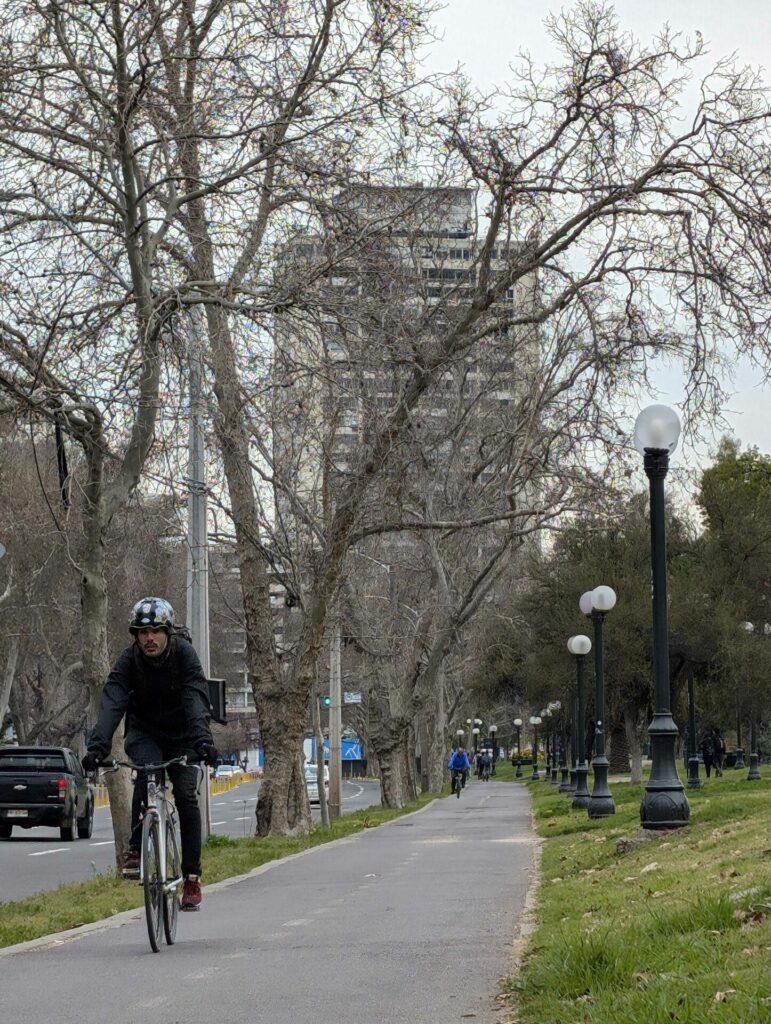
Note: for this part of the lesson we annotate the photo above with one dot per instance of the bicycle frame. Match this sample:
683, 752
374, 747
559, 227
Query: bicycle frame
158, 804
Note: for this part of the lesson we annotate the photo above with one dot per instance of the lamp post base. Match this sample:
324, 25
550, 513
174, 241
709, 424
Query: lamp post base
518, 772
739, 759
565, 780
664, 804
694, 782
582, 795
554, 780
536, 775
601, 804
754, 772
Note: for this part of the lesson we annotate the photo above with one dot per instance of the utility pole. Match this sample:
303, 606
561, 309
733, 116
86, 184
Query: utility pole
319, 737
197, 538
335, 724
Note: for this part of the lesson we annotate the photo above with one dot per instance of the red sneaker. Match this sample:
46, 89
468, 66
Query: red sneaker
131, 864
191, 894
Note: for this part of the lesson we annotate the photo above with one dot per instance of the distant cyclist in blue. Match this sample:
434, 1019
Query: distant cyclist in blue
459, 762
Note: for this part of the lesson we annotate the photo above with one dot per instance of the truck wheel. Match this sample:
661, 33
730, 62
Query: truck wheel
5, 831
86, 825
69, 832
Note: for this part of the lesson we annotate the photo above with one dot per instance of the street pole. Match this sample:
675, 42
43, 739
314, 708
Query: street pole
601, 804
319, 738
694, 782
754, 773
335, 724
664, 803
573, 751
535, 721
197, 534
564, 771
580, 646
518, 726
739, 749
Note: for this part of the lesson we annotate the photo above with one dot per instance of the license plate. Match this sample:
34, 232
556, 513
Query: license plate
16, 814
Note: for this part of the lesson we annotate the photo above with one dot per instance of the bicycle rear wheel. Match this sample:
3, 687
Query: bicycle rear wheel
458, 785
152, 879
173, 882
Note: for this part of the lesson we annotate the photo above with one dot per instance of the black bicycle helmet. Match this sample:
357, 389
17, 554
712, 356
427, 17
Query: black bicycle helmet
151, 613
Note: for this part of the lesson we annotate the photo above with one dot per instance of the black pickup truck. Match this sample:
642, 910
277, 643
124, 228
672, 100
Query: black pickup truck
45, 786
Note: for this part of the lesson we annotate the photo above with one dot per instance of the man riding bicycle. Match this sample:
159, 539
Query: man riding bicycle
459, 765
159, 685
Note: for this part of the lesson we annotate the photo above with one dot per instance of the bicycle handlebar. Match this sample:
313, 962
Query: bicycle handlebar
114, 765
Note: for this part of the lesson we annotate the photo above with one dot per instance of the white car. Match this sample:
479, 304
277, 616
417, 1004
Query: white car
227, 771
311, 782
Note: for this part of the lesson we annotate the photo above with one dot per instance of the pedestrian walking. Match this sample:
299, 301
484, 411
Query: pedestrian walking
718, 754
708, 752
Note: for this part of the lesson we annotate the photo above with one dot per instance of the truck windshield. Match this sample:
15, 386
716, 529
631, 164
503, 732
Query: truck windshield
32, 762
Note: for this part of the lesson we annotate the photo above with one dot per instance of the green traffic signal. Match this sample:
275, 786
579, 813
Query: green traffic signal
327, 701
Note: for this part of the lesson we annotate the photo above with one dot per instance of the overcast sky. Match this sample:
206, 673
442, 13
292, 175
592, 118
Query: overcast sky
486, 35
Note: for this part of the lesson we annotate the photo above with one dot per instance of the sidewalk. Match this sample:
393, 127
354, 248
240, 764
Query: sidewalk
410, 922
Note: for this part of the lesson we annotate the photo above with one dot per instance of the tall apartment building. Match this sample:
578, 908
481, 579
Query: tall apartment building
410, 276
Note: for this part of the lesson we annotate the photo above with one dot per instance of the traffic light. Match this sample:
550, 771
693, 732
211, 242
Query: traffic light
327, 700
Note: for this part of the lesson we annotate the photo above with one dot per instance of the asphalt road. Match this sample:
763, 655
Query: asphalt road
409, 922
34, 860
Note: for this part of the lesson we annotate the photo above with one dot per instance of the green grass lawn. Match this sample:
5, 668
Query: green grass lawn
677, 929
105, 895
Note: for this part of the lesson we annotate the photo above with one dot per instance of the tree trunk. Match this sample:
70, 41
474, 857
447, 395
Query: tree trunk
396, 786
618, 754
422, 730
9, 672
95, 653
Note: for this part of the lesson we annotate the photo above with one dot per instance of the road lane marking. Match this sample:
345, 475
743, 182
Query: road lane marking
354, 795
219, 803
105, 842
218, 823
42, 853
298, 923
244, 817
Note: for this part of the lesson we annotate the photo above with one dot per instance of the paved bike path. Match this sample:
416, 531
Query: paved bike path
410, 922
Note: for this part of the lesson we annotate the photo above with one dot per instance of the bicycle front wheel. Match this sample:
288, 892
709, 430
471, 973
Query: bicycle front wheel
152, 878
173, 882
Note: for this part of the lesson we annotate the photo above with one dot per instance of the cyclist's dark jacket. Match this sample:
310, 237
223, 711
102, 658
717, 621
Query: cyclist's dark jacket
166, 698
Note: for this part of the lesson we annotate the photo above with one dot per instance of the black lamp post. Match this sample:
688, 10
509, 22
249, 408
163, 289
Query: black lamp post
564, 770
545, 715
664, 804
552, 710
694, 782
493, 730
518, 727
579, 646
554, 756
535, 721
573, 751
754, 773
739, 763
595, 604
475, 733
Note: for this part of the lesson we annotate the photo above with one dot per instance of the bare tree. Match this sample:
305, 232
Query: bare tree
236, 132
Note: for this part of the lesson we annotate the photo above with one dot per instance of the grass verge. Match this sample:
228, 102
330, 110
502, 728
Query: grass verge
669, 927
104, 895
